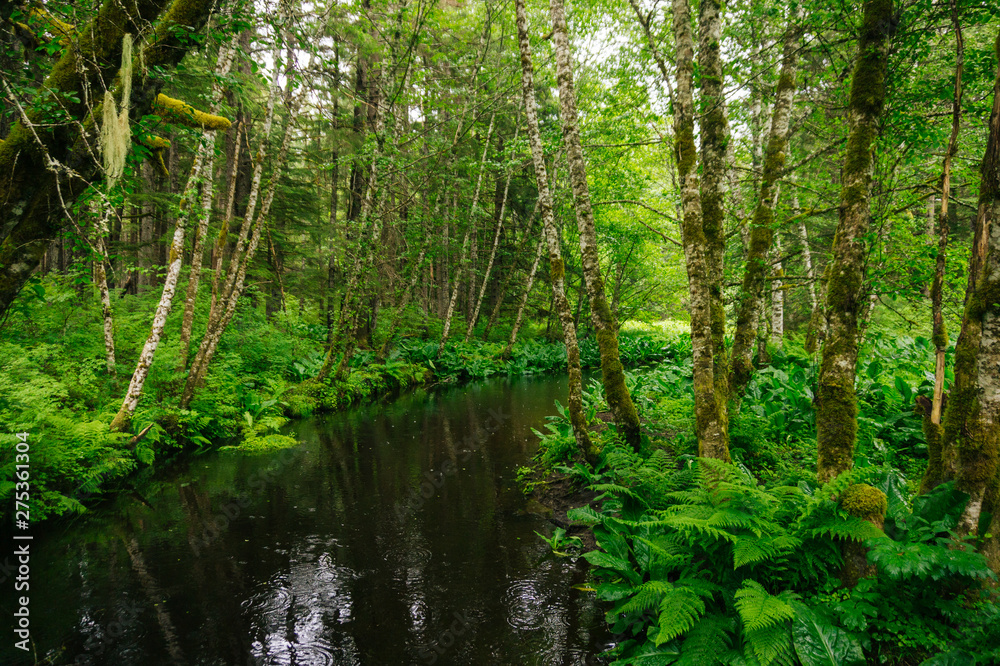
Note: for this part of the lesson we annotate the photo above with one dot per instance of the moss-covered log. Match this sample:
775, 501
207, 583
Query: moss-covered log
836, 403
30, 201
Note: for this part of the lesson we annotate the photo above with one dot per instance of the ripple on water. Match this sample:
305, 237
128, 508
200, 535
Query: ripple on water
529, 607
316, 653
274, 599
417, 556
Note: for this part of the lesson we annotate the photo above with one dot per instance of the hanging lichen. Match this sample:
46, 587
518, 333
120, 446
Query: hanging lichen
115, 134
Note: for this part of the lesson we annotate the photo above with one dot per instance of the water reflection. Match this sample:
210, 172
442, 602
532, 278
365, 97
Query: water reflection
391, 536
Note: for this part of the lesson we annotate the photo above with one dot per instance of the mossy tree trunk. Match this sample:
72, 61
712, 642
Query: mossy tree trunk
36, 157
933, 429
763, 224
972, 416
710, 412
836, 403
605, 326
714, 167
550, 234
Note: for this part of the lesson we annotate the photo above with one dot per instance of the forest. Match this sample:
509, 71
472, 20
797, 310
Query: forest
732, 267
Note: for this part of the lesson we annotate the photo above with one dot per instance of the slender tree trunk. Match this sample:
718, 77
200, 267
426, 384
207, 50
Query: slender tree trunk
101, 264
557, 266
123, 419
710, 412
762, 232
502, 291
933, 430
806, 255
605, 327
836, 403
493, 252
940, 335
418, 266
524, 301
225, 60
224, 306
465, 242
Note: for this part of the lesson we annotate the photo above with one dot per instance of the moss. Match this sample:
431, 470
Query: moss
63, 32
865, 502
174, 110
933, 435
154, 142
836, 428
558, 270
940, 337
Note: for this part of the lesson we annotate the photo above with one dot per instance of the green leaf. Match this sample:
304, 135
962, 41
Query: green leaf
821, 643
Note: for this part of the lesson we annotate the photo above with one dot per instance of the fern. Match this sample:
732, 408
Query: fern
766, 621
758, 609
680, 608
705, 641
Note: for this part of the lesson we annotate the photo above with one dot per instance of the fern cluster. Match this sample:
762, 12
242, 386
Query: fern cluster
701, 565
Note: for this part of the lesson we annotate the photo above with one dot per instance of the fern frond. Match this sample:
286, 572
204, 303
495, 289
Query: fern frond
703, 643
760, 610
647, 597
699, 525
710, 472
680, 609
772, 644
848, 528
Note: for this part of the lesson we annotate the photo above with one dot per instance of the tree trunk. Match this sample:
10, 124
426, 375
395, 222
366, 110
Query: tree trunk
933, 430
836, 403
711, 424
551, 236
762, 232
224, 306
465, 242
101, 264
493, 252
939, 335
972, 415
34, 178
777, 298
714, 140
605, 327
502, 291
524, 301
123, 419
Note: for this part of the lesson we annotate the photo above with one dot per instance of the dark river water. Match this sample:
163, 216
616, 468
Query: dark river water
394, 534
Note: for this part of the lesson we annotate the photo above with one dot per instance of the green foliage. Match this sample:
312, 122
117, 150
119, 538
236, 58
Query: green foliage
759, 566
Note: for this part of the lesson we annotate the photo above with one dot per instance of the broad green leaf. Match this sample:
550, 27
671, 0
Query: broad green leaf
820, 643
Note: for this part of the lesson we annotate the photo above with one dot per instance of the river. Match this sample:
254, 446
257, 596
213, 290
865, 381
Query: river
394, 534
